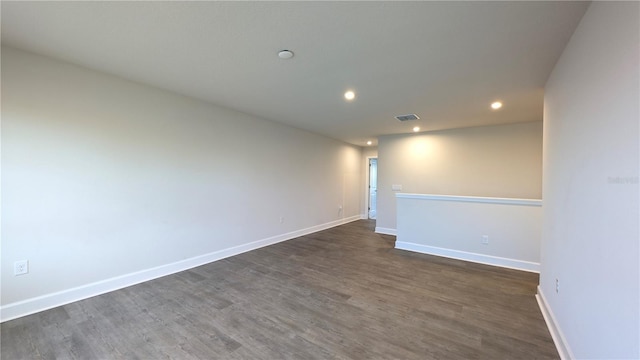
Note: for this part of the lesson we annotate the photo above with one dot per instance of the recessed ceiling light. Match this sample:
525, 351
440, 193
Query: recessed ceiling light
496, 105
349, 95
369, 142
285, 54
416, 129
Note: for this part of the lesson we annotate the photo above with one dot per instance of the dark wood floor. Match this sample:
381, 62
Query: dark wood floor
343, 293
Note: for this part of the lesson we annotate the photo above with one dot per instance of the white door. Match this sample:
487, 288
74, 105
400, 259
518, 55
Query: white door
373, 187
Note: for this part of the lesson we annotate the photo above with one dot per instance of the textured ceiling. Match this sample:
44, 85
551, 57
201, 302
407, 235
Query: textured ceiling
445, 61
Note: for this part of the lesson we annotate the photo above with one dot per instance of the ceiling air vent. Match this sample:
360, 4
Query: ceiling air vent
407, 117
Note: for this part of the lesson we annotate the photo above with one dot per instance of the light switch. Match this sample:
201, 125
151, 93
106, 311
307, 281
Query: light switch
396, 187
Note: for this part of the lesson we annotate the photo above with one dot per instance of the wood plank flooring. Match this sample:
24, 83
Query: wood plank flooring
343, 293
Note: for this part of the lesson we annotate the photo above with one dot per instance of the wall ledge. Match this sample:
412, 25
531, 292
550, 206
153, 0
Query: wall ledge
48, 301
474, 199
469, 256
558, 338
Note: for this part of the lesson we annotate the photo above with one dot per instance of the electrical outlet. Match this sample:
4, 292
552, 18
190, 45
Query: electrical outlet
281, 219
339, 209
557, 286
20, 267
485, 239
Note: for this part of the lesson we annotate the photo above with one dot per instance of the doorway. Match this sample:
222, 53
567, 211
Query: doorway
373, 187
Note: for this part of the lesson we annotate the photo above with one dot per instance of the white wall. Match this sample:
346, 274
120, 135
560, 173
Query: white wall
591, 166
454, 226
369, 152
102, 178
490, 161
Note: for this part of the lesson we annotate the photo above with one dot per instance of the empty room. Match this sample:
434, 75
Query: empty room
320, 180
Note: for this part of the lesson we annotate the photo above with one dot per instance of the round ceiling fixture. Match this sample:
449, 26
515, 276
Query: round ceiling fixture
369, 142
349, 95
285, 54
416, 129
496, 105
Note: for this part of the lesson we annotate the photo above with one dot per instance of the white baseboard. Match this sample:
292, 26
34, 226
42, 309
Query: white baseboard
468, 256
49, 301
386, 231
558, 338
364, 217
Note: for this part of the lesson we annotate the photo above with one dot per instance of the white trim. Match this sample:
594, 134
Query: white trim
472, 257
386, 231
558, 338
475, 199
364, 217
49, 301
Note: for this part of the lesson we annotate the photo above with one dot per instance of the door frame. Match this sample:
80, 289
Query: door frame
366, 188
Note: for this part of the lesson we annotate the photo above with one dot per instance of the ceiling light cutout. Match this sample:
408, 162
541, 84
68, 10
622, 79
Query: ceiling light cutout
496, 105
369, 142
349, 95
285, 54
416, 128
